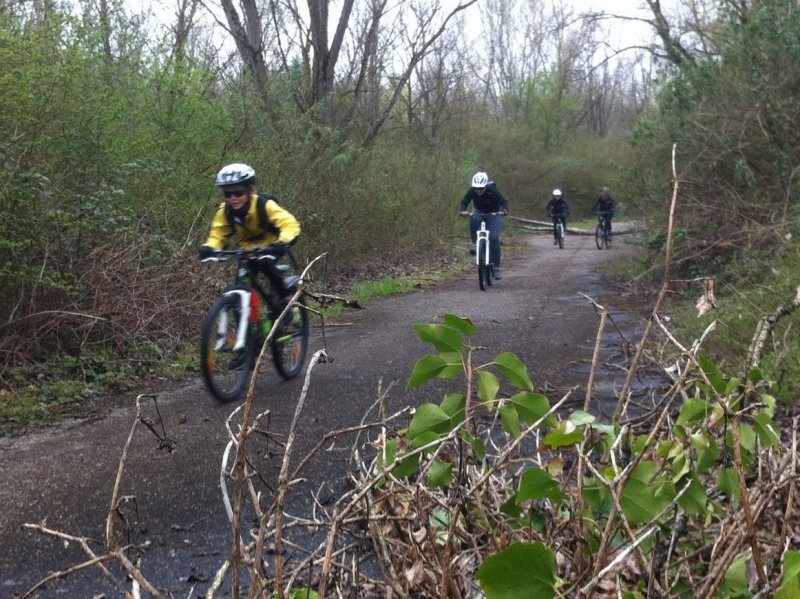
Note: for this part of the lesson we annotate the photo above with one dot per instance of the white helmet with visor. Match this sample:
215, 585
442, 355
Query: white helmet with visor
236, 174
480, 180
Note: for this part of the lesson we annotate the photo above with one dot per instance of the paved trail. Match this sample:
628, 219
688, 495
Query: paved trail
65, 475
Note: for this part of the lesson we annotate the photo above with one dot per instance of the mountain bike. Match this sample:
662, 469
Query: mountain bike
560, 233
483, 257
242, 319
602, 233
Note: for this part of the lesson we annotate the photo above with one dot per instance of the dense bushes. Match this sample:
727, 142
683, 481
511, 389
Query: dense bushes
734, 117
107, 170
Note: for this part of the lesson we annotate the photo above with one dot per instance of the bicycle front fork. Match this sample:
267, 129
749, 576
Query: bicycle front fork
245, 299
483, 236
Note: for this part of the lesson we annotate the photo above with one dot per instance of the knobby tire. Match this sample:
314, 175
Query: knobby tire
290, 345
598, 236
560, 236
225, 380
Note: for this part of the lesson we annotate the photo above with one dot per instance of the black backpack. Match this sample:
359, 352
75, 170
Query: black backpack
261, 207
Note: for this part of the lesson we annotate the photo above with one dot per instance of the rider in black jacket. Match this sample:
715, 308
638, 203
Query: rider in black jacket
558, 210
486, 198
605, 205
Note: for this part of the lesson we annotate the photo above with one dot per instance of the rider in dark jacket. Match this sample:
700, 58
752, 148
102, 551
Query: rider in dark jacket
486, 198
605, 205
558, 210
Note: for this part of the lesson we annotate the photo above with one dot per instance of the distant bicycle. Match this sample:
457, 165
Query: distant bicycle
560, 233
602, 233
240, 321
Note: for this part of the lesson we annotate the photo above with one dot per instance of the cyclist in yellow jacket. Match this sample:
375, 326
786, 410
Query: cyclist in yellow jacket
251, 219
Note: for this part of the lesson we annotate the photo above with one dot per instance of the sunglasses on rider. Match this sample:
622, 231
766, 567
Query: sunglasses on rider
234, 193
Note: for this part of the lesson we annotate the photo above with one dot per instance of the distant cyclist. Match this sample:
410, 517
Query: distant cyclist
486, 199
558, 210
604, 206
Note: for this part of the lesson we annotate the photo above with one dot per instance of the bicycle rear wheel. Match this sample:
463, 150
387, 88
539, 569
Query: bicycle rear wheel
290, 345
598, 236
561, 236
226, 371
483, 270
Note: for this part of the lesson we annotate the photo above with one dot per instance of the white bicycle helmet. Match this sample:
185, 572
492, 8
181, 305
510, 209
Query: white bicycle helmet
235, 174
480, 180
556, 193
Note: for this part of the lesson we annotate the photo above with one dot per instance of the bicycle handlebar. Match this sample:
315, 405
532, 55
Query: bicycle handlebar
484, 213
266, 252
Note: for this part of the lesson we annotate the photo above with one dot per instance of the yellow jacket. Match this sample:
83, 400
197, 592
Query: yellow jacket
281, 226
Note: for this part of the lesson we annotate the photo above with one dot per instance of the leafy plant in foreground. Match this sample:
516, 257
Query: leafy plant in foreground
538, 505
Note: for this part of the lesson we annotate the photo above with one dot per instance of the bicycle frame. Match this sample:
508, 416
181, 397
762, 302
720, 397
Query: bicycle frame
244, 286
602, 219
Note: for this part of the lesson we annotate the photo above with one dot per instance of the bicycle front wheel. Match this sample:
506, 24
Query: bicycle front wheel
598, 237
483, 268
226, 371
290, 346
561, 236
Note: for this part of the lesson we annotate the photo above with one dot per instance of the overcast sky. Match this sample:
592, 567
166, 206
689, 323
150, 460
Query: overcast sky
620, 33
631, 8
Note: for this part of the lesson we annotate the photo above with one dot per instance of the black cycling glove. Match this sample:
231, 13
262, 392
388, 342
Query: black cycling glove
206, 251
278, 249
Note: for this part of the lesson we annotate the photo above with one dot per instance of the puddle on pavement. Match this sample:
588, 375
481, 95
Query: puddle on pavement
623, 331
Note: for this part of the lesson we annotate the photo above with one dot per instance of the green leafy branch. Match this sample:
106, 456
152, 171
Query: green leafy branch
633, 507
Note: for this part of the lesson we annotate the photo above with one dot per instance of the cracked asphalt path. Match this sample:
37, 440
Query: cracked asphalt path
64, 475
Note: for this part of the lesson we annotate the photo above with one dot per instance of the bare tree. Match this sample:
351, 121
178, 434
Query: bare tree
185, 16
420, 41
365, 55
441, 82
674, 50
248, 35
325, 55
515, 35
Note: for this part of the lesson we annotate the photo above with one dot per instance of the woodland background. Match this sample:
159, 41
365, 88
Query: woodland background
367, 118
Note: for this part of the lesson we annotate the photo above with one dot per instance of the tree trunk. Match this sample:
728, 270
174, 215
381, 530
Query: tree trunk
325, 58
184, 22
676, 53
249, 42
